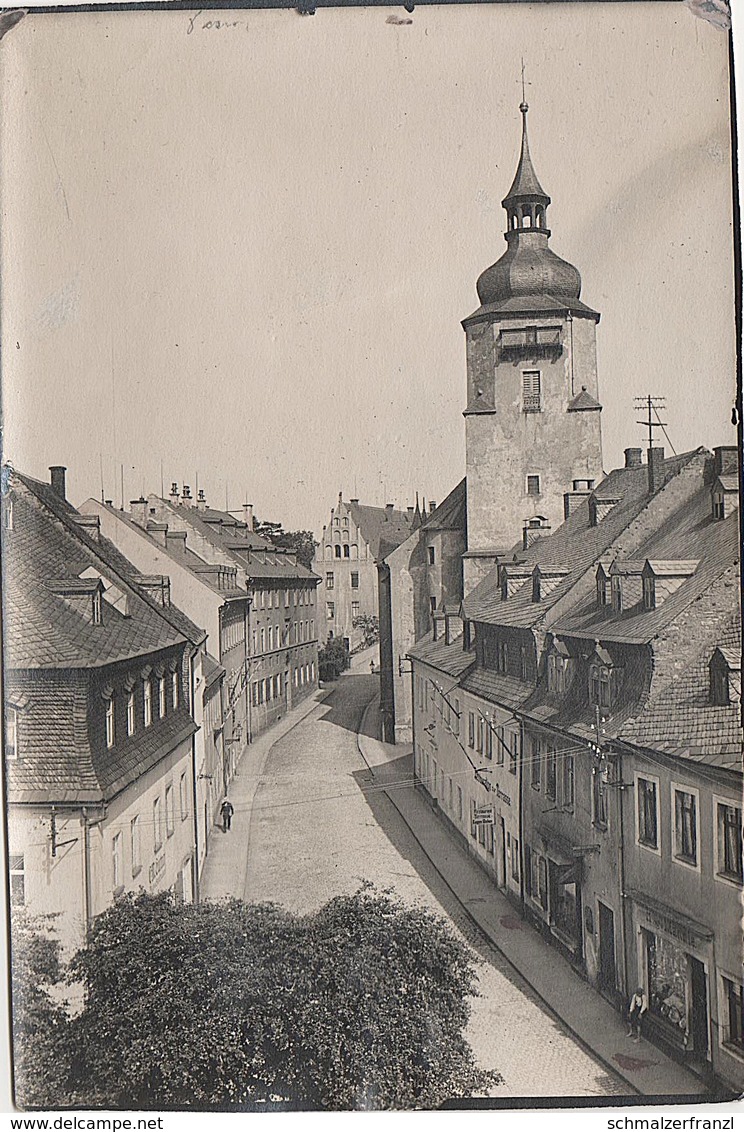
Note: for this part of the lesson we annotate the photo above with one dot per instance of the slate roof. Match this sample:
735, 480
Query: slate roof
43, 629
451, 658
451, 514
583, 402
381, 529
681, 721
532, 304
229, 541
575, 544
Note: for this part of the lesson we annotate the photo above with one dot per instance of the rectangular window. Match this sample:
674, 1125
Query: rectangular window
685, 826
533, 485
183, 796
116, 861
174, 689
502, 663
354, 580
170, 823
331, 610
471, 729
456, 720
730, 842
536, 764
433, 605
500, 747
733, 1014
329, 580
515, 859
157, 825
162, 701
459, 802
568, 781
432, 556
514, 753
648, 813
110, 727
134, 836
354, 610
347, 553
148, 702
481, 734
551, 768
17, 879
523, 667
131, 713
11, 733
531, 400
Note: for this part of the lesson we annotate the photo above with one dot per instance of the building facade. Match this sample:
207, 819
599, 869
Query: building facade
100, 750
532, 420
355, 537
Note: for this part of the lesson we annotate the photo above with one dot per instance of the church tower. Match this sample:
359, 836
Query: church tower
532, 422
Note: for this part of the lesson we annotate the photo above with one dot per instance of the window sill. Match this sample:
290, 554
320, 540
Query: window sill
732, 1050
136, 872
687, 863
170, 832
649, 847
730, 878
118, 891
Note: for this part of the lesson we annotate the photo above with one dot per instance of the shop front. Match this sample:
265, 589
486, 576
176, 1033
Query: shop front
674, 959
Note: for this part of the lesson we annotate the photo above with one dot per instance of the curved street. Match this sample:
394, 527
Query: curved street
319, 826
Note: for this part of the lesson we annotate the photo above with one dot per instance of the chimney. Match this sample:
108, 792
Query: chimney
432, 506
109, 502
353, 501
158, 531
533, 529
186, 497
138, 509
572, 499
656, 475
201, 500
91, 524
389, 508
176, 541
726, 460
633, 457
57, 479
410, 510
174, 493
248, 515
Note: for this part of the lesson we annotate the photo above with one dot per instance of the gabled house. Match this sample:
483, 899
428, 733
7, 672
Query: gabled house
100, 754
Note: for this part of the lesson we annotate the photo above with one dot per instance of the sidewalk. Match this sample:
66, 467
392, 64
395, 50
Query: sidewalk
582, 1011
226, 865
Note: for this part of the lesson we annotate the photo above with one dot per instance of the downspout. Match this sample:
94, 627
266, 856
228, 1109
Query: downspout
521, 818
194, 788
621, 861
86, 869
413, 719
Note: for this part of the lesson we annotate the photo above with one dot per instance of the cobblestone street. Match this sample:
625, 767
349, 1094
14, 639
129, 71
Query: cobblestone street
319, 827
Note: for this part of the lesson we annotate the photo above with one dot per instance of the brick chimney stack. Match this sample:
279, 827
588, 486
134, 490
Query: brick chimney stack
57, 476
138, 509
186, 497
656, 476
248, 515
633, 457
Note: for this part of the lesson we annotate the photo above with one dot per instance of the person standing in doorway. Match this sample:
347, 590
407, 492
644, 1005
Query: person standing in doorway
226, 813
637, 1007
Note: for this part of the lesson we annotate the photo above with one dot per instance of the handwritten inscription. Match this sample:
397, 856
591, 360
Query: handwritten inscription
199, 22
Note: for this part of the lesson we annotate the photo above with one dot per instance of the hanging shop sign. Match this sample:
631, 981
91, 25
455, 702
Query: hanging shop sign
483, 815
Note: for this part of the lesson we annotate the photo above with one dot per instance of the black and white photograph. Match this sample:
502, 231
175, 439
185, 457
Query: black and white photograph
371, 584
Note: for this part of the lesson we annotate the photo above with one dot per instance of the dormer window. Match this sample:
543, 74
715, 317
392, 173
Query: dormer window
110, 721
603, 679
97, 614
147, 687
8, 513
662, 577
725, 496
649, 592
725, 677
11, 733
558, 668
603, 587
617, 595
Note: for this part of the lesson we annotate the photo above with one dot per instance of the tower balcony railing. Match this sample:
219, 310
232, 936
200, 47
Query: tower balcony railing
531, 403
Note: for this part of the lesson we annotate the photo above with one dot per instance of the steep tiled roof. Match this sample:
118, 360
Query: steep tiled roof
44, 629
381, 529
575, 544
681, 720
508, 691
716, 547
451, 658
583, 402
451, 514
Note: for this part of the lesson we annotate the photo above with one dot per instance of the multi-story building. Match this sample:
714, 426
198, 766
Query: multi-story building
255, 600
532, 420
419, 581
100, 750
356, 537
610, 649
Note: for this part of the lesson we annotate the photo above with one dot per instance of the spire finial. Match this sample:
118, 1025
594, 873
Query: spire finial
523, 104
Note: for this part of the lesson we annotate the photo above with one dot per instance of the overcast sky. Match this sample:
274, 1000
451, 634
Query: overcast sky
246, 250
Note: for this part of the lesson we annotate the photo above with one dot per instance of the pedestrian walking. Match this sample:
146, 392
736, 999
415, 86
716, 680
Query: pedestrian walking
372, 667
637, 1007
226, 813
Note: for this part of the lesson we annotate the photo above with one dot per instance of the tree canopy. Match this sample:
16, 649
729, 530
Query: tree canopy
302, 542
362, 1005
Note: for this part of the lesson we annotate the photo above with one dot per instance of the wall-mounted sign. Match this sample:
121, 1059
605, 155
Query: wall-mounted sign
483, 815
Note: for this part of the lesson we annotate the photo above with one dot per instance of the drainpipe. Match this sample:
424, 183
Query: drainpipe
520, 795
621, 862
194, 788
86, 869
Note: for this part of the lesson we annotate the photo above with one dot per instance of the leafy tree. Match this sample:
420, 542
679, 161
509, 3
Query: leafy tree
370, 627
333, 658
39, 1017
301, 542
236, 1006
